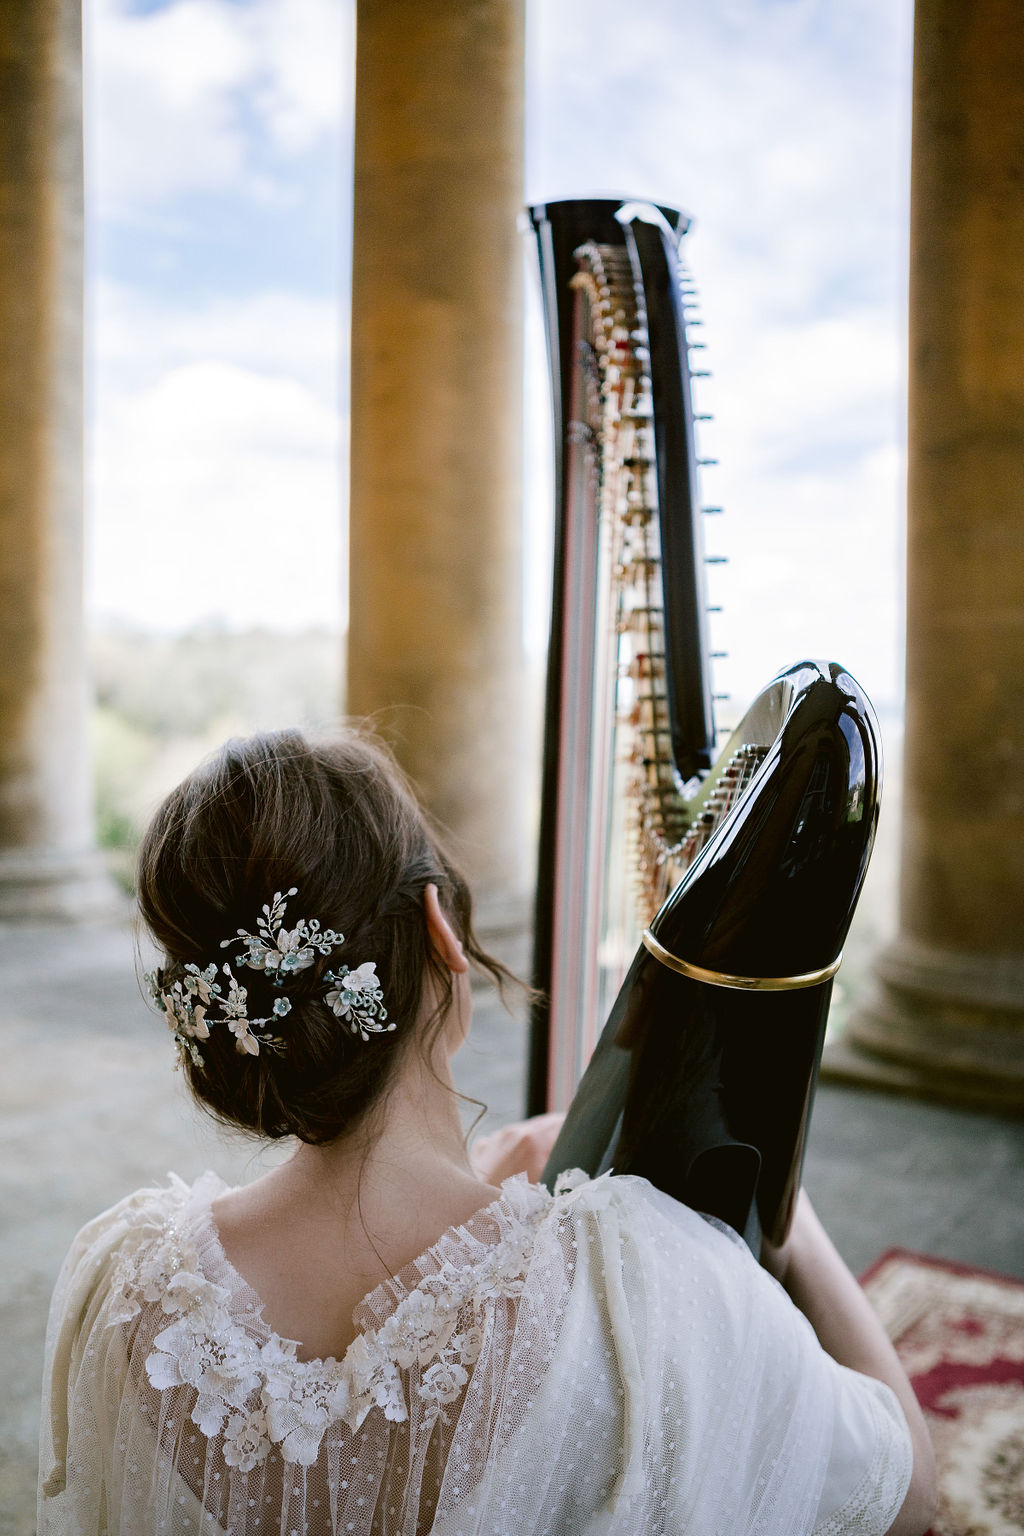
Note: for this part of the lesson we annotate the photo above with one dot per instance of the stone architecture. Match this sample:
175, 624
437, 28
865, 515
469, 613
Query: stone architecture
435, 630
948, 1017
435, 644
46, 864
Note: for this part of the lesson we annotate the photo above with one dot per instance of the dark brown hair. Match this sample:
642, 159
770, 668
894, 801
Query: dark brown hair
337, 820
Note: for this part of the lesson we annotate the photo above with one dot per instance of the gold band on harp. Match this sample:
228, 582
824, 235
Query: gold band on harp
738, 983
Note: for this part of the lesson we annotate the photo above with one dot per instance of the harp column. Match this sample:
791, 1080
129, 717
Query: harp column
435, 629
47, 867
948, 1017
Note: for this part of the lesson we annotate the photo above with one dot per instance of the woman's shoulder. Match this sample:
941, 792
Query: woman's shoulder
136, 1243
622, 1240
644, 1212
147, 1210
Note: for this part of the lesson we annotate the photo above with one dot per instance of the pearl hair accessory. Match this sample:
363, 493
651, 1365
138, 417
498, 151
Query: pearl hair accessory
355, 996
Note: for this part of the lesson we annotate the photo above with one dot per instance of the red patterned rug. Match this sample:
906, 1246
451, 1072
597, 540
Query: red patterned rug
960, 1335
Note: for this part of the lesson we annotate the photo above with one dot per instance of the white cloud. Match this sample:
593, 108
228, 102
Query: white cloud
139, 335
309, 51
815, 570
162, 118
174, 94
809, 438
827, 388
781, 127
217, 460
216, 495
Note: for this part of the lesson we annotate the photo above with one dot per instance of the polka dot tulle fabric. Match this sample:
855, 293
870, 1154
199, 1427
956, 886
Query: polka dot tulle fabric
600, 1361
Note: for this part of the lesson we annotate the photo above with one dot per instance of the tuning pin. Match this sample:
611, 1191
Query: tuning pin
700, 373
713, 608
697, 346
718, 655
705, 462
711, 511
703, 416
691, 323
716, 559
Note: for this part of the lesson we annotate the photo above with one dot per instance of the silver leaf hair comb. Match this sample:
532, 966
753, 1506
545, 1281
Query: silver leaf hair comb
203, 998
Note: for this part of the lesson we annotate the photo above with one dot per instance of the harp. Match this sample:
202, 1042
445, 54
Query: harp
696, 902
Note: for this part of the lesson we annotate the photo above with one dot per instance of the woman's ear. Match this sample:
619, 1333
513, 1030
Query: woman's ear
442, 935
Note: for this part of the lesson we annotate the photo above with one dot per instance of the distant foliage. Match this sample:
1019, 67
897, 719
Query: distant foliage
172, 686
163, 702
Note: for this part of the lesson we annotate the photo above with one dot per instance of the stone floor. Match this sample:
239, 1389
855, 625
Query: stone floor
91, 1109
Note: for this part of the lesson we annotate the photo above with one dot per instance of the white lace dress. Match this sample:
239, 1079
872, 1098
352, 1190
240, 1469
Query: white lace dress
604, 1361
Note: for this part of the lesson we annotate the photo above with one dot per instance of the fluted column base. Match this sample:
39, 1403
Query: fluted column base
940, 1025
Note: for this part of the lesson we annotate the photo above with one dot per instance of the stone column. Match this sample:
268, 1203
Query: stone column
434, 650
47, 867
948, 1017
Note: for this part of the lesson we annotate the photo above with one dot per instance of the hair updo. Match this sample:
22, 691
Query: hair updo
336, 819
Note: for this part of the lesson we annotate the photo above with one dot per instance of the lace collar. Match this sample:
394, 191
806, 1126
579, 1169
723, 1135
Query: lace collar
428, 1322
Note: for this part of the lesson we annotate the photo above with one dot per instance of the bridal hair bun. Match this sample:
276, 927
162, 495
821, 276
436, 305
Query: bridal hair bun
294, 1026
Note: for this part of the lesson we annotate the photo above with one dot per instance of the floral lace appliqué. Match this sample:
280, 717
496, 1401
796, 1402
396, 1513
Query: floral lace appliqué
260, 1395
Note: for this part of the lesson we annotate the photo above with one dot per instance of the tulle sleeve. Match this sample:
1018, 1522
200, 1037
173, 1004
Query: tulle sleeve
685, 1392
87, 1370
871, 1458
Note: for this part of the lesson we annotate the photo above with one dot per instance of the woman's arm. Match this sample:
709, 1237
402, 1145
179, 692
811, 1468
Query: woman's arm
848, 1329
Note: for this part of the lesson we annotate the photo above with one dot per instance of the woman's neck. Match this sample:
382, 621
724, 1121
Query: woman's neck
314, 1235
383, 1194
412, 1150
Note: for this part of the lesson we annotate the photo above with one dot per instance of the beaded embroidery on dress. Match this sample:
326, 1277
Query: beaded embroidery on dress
600, 1361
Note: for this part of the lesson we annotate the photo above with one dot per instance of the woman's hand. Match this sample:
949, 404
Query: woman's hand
523, 1147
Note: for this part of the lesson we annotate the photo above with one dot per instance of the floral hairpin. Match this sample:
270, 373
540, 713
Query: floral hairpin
187, 1005
278, 951
355, 996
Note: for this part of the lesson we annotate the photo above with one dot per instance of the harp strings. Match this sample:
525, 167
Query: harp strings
657, 826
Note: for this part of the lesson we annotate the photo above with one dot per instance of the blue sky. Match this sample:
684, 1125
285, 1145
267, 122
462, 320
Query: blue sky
218, 155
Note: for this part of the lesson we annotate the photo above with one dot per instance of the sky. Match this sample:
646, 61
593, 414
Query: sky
218, 153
